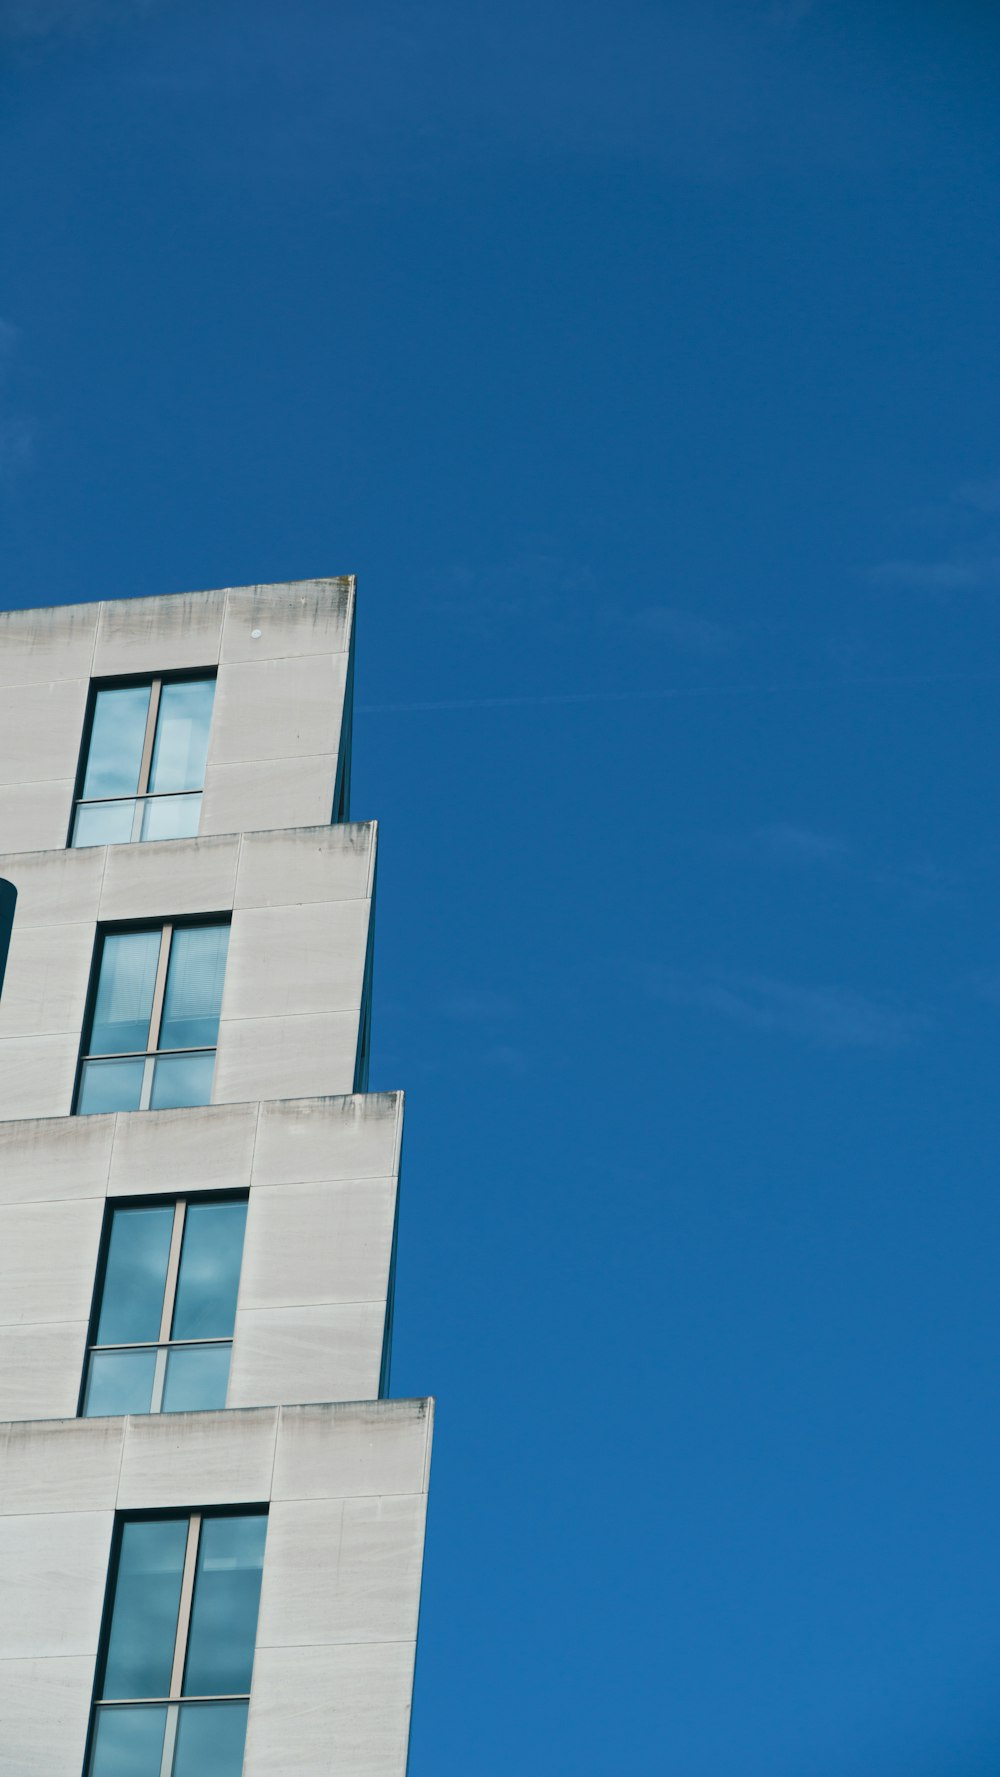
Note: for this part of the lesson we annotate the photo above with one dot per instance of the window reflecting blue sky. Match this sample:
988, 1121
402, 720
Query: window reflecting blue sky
209, 1276
146, 1599
193, 994
135, 1275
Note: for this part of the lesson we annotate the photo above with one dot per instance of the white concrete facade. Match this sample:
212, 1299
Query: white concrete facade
306, 1431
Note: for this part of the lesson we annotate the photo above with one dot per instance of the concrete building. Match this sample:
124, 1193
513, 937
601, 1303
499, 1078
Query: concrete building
211, 1515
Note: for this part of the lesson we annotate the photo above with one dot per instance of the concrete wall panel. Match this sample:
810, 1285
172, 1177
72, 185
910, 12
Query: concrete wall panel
60, 1465
300, 617
56, 888
202, 1149
48, 1261
285, 1057
352, 1137
307, 1354
44, 1709
40, 729
366, 1589
35, 815
318, 1243
330, 1711
55, 1571
45, 986
37, 1075
381, 1447
277, 709
170, 878
324, 864
52, 643
269, 793
150, 635
56, 1157
177, 1459
285, 961
41, 1367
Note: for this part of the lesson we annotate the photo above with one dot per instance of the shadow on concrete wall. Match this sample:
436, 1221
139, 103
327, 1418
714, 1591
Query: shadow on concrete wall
8, 901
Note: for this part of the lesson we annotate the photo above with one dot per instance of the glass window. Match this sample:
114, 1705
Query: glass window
224, 1613
173, 1696
147, 1598
117, 735
135, 1275
182, 1079
145, 762
110, 1086
128, 1742
209, 1275
194, 987
197, 1378
166, 1308
124, 1003
120, 1382
8, 903
181, 745
157, 990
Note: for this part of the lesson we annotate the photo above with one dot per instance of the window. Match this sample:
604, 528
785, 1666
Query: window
145, 761
162, 1333
180, 1628
154, 1018
8, 902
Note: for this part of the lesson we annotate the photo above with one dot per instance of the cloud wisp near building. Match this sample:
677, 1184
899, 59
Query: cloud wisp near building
211, 1512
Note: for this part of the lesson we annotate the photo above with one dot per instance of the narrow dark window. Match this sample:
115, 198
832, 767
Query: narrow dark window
162, 1333
144, 766
154, 1018
180, 1629
8, 901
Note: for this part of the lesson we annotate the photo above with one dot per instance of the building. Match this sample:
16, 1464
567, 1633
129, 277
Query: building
211, 1513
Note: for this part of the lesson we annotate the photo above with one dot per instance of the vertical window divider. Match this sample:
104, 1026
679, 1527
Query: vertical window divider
160, 986
184, 1608
173, 1267
169, 1742
149, 737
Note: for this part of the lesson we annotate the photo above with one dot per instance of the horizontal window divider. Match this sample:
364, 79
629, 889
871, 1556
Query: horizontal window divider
149, 1054
163, 1344
168, 1702
145, 796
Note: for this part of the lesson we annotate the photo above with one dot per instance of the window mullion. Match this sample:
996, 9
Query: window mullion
169, 1742
186, 1602
150, 736
173, 1267
160, 987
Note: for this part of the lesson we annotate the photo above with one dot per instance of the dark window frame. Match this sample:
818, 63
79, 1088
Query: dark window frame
147, 1515
166, 926
151, 1200
125, 682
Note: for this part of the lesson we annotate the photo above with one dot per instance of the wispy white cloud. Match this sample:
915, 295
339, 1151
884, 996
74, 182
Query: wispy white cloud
961, 573
509, 1059
17, 429
26, 21
982, 495
785, 843
828, 1017
969, 559
687, 630
478, 1006
531, 584
794, 847
789, 13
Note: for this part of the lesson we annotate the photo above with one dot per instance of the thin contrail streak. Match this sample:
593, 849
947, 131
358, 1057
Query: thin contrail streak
666, 693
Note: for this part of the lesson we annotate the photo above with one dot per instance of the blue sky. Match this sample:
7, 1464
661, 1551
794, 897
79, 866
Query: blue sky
642, 360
